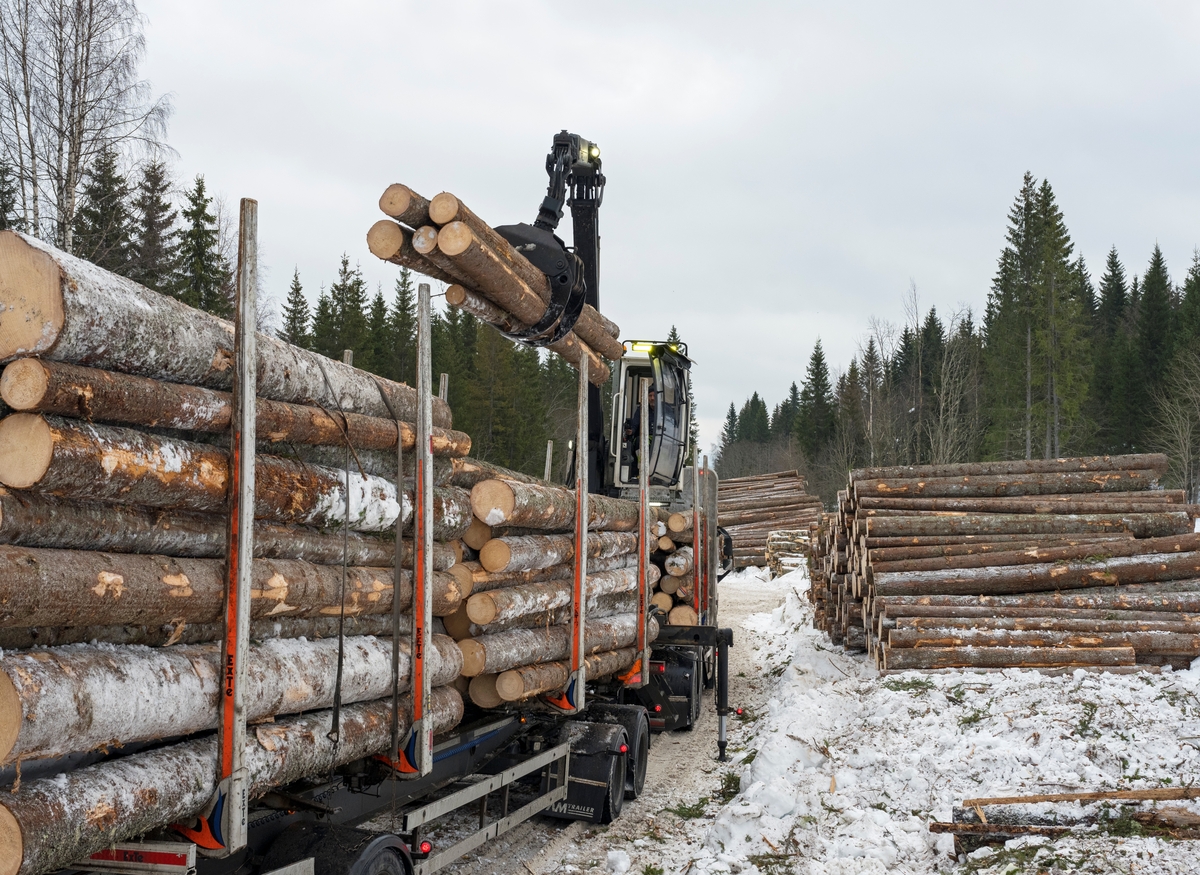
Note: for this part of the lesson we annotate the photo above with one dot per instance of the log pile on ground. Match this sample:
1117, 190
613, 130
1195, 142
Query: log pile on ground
515, 629
788, 549
1062, 563
750, 508
113, 521
443, 239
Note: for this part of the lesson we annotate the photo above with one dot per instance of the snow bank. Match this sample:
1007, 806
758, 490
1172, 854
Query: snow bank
846, 769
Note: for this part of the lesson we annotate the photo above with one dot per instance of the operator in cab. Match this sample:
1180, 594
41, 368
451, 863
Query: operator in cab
633, 432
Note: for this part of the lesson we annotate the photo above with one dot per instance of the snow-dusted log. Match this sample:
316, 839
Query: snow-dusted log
531, 680
1000, 485
530, 552
1141, 525
31, 519
182, 632
500, 651
535, 598
680, 521
54, 822
679, 563
75, 460
36, 386
459, 626
84, 588
547, 508
1003, 657
60, 307
74, 699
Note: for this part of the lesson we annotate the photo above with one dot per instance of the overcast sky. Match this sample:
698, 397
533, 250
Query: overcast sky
777, 172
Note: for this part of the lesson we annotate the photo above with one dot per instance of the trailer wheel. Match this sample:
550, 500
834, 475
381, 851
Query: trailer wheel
695, 692
386, 862
614, 797
639, 758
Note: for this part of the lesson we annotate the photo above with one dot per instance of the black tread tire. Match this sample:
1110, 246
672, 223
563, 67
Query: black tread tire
695, 694
638, 760
386, 862
614, 799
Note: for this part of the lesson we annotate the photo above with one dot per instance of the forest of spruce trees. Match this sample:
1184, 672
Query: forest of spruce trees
1060, 365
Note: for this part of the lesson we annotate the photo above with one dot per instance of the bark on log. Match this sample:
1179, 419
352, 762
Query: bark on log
468, 472
55, 702
1141, 525
1098, 622
499, 651
517, 684
459, 626
683, 615
530, 552
679, 563
55, 822
1133, 502
1004, 657
1002, 485
549, 508
1150, 568
966, 540
1038, 554
1180, 598
389, 242
81, 588
500, 605
29, 519
168, 634
1155, 461
404, 205
376, 463
56, 388
1145, 643
883, 555
63, 308
107, 463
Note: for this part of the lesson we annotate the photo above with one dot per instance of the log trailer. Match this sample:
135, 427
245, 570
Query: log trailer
578, 755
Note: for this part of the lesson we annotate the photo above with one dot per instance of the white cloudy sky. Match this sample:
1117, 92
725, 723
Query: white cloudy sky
778, 172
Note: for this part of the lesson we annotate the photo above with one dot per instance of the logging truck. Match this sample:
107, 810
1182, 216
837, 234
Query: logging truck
576, 753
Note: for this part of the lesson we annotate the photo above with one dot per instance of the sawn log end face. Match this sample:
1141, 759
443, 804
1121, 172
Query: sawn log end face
385, 239
12, 849
395, 200
26, 447
31, 306
11, 714
443, 208
24, 384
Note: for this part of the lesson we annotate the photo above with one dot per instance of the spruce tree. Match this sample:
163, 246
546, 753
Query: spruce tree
347, 306
295, 315
1109, 377
816, 421
154, 260
103, 220
1189, 307
403, 326
753, 421
10, 218
1154, 317
1114, 296
379, 339
729, 432
203, 273
323, 338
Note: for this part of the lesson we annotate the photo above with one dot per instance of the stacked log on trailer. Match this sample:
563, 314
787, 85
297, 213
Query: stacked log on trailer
1054, 564
113, 520
515, 629
750, 508
486, 277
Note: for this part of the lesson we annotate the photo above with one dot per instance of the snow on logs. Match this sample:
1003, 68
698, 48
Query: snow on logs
1042, 564
547, 507
750, 508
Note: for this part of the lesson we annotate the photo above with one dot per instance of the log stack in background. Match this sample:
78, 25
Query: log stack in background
1053, 564
750, 508
788, 549
487, 277
113, 515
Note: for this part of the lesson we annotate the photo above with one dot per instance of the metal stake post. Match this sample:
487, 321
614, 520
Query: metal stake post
549, 459
573, 700
643, 645
420, 748
230, 815
697, 540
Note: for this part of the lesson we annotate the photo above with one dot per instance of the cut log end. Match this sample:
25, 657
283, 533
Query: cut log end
30, 298
425, 239
12, 849
481, 609
26, 447
474, 656
456, 295
682, 615
478, 534
492, 501
662, 601
395, 200
454, 239
443, 208
510, 686
11, 714
483, 691
24, 384
495, 555
458, 624
466, 581
385, 239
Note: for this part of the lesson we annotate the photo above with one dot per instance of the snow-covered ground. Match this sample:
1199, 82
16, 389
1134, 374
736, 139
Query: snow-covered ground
841, 771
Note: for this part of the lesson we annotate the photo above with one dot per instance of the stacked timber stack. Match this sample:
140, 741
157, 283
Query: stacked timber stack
750, 508
486, 276
515, 629
788, 549
113, 520
1053, 564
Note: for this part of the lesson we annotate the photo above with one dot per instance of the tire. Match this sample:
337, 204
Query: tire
695, 692
386, 862
709, 661
614, 799
638, 760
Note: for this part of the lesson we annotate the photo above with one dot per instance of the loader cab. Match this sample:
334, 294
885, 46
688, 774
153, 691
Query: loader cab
668, 368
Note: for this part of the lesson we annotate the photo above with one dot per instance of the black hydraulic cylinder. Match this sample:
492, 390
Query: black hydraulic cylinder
724, 642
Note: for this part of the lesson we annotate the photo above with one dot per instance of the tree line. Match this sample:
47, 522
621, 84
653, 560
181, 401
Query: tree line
1060, 365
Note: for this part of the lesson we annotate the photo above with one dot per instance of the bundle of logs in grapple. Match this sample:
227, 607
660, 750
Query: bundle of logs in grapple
486, 276
114, 468
1053, 564
515, 628
750, 508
